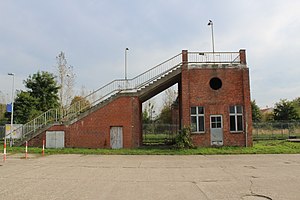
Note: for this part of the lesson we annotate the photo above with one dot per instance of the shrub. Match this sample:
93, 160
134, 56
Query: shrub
183, 140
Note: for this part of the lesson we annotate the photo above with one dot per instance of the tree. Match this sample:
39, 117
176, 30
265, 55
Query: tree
296, 103
169, 97
43, 87
80, 103
148, 112
66, 80
3, 119
285, 110
268, 117
165, 116
256, 114
146, 117
25, 107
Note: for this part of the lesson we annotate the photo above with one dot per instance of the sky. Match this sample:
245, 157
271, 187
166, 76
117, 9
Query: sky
93, 34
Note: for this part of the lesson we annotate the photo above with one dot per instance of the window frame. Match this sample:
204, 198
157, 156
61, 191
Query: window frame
212, 123
236, 115
198, 115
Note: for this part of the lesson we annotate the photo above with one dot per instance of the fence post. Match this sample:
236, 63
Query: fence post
4, 151
26, 150
45, 116
34, 125
43, 151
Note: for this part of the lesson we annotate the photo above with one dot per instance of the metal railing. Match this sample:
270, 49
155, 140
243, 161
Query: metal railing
47, 118
159, 134
217, 57
117, 86
275, 130
130, 85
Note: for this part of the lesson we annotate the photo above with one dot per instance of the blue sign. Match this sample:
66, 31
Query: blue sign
8, 108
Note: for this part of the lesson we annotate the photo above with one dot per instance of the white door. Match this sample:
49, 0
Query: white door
116, 137
55, 139
216, 130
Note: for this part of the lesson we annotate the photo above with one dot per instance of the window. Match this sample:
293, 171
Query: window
197, 119
215, 83
236, 118
216, 122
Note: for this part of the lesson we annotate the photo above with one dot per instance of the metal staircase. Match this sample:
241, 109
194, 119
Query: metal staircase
139, 85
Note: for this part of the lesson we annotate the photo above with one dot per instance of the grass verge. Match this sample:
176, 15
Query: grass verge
260, 147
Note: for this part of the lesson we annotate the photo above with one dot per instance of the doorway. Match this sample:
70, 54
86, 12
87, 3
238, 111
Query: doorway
216, 130
116, 137
55, 139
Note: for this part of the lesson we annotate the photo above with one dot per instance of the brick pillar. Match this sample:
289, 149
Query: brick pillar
184, 57
184, 91
247, 105
243, 56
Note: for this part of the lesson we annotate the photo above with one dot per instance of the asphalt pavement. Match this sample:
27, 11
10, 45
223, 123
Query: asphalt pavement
241, 177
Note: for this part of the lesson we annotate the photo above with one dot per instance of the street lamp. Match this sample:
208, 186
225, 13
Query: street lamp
12, 108
210, 23
126, 50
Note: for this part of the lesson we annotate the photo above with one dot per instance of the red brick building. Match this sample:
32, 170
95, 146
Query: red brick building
214, 100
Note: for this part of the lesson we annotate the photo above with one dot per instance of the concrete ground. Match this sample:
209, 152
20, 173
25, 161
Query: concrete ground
243, 177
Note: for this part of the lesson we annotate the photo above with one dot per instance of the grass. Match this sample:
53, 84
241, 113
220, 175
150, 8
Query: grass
158, 139
261, 147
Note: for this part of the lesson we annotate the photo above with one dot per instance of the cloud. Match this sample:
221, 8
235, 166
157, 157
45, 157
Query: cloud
94, 35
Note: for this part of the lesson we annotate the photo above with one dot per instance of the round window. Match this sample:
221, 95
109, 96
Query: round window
215, 83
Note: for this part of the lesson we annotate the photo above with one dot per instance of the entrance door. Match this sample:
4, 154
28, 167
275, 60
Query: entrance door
116, 137
55, 139
216, 130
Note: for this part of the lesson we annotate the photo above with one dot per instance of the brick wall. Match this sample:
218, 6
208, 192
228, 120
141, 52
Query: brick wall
235, 90
93, 131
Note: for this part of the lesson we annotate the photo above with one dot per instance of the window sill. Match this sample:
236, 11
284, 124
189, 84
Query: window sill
197, 133
237, 132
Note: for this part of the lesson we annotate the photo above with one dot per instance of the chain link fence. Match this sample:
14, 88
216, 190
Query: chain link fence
276, 130
159, 134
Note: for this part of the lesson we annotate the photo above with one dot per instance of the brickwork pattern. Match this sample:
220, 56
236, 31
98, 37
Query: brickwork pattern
93, 131
235, 90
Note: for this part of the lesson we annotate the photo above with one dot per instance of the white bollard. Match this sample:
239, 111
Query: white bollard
43, 151
4, 152
26, 150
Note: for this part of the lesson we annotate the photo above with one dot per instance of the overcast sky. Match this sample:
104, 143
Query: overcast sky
94, 34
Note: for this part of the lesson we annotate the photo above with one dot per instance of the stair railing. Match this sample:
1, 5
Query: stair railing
46, 119
120, 85
53, 116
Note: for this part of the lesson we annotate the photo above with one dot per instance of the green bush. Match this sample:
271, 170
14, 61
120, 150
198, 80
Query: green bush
183, 140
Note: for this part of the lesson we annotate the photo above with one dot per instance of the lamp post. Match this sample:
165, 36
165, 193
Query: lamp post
126, 50
12, 108
211, 24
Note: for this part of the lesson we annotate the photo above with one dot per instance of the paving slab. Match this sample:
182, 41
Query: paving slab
240, 177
